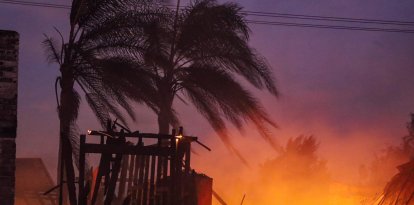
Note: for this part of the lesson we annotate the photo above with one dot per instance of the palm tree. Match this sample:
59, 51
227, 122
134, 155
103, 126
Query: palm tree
199, 54
91, 59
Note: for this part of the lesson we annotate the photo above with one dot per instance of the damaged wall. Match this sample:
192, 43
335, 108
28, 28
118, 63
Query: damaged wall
9, 42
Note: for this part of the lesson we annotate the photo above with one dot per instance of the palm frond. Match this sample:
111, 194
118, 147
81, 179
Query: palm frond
114, 81
122, 79
51, 49
98, 108
95, 89
225, 138
225, 97
218, 34
75, 10
207, 108
74, 140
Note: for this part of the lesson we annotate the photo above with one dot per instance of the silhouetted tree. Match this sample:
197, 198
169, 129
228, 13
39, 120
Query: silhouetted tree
200, 54
384, 166
296, 176
92, 59
400, 189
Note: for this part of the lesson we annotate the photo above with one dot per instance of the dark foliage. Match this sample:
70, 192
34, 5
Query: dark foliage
90, 58
199, 54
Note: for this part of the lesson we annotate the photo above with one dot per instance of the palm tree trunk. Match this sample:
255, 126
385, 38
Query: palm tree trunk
163, 122
69, 169
65, 116
166, 98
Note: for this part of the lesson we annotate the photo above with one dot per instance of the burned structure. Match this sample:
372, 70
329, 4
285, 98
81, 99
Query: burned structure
141, 168
9, 43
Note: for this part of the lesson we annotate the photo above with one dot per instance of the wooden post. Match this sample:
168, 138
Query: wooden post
146, 180
113, 179
152, 181
173, 171
135, 185
141, 179
131, 172
158, 176
123, 176
102, 169
188, 158
82, 193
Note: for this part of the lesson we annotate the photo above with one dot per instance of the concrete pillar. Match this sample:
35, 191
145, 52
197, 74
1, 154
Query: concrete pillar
9, 42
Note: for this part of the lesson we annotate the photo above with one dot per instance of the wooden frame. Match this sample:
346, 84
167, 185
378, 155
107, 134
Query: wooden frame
136, 174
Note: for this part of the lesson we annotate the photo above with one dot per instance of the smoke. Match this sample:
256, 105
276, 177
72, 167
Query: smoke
321, 169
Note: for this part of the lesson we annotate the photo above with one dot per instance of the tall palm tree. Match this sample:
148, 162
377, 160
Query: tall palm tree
91, 60
200, 54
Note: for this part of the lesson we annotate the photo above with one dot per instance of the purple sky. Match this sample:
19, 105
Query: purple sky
341, 86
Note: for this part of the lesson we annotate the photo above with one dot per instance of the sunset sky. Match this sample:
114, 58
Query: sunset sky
352, 90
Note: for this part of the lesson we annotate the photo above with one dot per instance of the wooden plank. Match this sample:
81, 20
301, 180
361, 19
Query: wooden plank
141, 180
218, 197
141, 135
145, 182
187, 168
174, 189
107, 174
82, 192
157, 181
102, 169
122, 178
152, 181
166, 182
113, 178
135, 186
122, 149
131, 172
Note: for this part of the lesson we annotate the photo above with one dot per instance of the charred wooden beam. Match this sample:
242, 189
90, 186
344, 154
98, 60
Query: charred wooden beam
122, 149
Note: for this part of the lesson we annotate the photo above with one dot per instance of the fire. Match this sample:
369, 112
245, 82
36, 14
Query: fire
299, 176
178, 138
